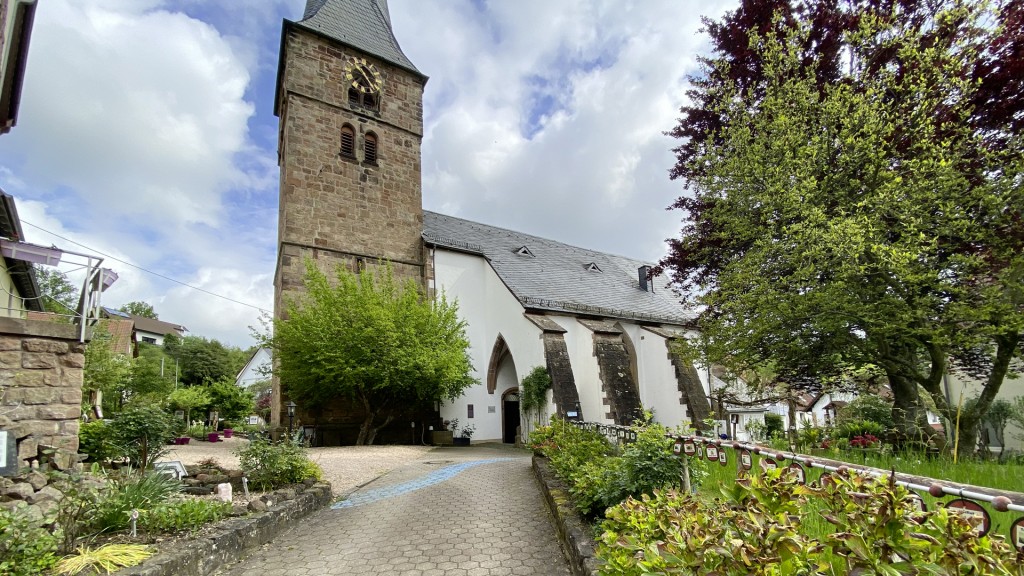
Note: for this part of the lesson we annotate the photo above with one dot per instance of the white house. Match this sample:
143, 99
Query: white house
257, 369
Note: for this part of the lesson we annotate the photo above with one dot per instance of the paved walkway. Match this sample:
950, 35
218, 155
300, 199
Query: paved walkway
457, 512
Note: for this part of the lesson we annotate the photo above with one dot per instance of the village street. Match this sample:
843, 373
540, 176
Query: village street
473, 511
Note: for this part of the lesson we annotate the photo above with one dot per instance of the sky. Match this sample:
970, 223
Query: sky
146, 134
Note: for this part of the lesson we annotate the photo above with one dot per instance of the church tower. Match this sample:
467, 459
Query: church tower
350, 109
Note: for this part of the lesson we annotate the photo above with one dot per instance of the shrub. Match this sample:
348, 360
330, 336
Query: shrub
870, 407
127, 491
108, 558
271, 465
96, 440
773, 426
759, 530
183, 515
140, 432
25, 548
854, 428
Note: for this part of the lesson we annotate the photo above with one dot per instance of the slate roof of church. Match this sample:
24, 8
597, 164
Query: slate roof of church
556, 277
362, 24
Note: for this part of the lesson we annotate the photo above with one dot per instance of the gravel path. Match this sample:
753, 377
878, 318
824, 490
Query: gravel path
345, 467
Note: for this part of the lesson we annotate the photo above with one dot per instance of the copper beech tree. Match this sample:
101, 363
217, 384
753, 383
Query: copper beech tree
368, 338
854, 202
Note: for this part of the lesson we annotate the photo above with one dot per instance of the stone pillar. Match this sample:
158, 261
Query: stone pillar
41, 366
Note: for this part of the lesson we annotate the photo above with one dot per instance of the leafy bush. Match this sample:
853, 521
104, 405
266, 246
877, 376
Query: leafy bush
25, 548
140, 432
271, 465
870, 407
598, 477
127, 491
810, 437
96, 439
229, 400
773, 426
183, 515
759, 530
533, 389
854, 428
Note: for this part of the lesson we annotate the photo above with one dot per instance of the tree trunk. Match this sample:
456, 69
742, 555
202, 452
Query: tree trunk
906, 407
1006, 345
373, 431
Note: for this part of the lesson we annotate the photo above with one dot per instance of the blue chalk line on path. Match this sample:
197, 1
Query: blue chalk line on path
435, 477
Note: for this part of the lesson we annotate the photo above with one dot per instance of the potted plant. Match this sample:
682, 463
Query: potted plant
464, 435
229, 432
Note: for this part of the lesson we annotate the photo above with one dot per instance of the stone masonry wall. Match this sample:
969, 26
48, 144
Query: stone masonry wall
41, 367
563, 383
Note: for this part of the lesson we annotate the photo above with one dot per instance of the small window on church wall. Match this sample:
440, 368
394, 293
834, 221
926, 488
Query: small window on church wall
370, 148
354, 97
348, 141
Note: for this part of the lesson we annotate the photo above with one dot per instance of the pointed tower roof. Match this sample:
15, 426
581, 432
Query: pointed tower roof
361, 24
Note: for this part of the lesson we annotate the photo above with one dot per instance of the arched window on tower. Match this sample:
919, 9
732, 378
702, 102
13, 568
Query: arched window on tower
348, 141
370, 148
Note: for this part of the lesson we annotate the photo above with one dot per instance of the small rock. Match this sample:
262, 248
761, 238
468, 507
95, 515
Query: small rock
212, 478
12, 505
308, 482
234, 474
192, 482
224, 492
285, 494
197, 490
46, 494
37, 480
238, 510
19, 491
257, 506
48, 509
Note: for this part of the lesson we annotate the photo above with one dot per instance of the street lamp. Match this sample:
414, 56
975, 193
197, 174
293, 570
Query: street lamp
291, 414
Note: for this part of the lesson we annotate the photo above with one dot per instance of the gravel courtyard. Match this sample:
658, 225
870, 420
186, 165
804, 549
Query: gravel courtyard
345, 467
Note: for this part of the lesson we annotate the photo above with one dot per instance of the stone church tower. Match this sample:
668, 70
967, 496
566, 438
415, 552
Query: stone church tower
350, 109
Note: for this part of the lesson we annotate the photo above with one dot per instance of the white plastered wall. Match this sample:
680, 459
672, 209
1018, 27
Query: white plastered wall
489, 309
659, 389
13, 306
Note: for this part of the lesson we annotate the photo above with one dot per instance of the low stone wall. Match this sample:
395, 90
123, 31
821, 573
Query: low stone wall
232, 537
574, 534
41, 389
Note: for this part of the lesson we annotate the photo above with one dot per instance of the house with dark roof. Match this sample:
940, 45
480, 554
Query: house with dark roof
350, 105
144, 330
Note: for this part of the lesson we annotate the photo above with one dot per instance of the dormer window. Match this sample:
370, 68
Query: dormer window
524, 251
593, 267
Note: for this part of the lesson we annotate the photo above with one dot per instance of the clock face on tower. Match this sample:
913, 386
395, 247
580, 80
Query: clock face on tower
364, 77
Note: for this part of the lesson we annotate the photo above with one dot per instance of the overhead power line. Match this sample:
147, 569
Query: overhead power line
157, 274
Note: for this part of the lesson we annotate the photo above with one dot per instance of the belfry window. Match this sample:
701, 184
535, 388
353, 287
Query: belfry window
370, 148
348, 141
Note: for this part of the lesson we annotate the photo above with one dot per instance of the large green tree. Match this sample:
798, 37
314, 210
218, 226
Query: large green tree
847, 213
371, 339
201, 361
59, 295
139, 308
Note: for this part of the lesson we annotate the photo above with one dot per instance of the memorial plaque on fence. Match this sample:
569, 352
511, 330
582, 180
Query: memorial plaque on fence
917, 502
700, 451
769, 463
677, 448
712, 452
1017, 534
973, 512
689, 448
825, 479
745, 460
722, 458
798, 472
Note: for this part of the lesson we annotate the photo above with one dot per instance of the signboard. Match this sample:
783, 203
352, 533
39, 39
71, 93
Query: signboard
769, 463
689, 448
798, 472
973, 512
745, 461
1017, 534
722, 458
677, 448
700, 451
712, 452
8, 454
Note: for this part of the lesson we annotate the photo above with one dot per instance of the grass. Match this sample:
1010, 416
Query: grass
978, 473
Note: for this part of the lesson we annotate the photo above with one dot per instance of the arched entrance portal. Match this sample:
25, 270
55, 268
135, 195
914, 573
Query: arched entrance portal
509, 415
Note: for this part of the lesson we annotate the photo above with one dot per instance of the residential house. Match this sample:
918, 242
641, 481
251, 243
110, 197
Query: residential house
19, 291
15, 30
257, 369
146, 330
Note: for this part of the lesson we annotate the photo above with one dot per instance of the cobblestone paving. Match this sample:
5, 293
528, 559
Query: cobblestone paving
457, 512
